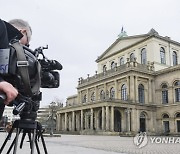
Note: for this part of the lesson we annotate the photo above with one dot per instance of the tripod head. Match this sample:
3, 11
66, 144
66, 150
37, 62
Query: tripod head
26, 107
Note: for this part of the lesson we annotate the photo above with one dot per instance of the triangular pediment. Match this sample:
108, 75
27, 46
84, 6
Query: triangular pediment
122, 43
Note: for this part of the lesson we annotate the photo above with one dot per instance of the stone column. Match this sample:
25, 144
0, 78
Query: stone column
153, 91
77, 121
79, 97
103, 118
73, 121
153, 122
112, 118
131, 87
86, 119
128, 111
96, 93
57, 121
97, 120
116, 89
91, 119
107, 118
88, 95
128, 87
65, 123
105, 90
136, 89
170, 96
82, 119
134, 118
70, 122
123, 121
150, 92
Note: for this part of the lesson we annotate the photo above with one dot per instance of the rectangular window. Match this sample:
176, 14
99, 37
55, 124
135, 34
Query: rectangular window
178, 125
177, 94
166, 126
165, 97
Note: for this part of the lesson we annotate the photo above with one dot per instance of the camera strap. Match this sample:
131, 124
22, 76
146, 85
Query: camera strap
22, 65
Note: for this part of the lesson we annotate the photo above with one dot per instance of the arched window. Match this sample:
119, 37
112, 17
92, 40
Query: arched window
166, 123
93, 97
112, 93
104, 68
175, 61
178, 121
113, 65
102, 95
124, 92
143, 56
132, 56
121, 61
177, 91
164, 94
162, 55
142, 121
178, 115
141, 94
165, 116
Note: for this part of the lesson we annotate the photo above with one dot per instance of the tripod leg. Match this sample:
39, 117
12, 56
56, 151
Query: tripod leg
12, 144
37, 147
9, 134
43, 142
30, 141
33, 141
22, 139
16, 140
40, 134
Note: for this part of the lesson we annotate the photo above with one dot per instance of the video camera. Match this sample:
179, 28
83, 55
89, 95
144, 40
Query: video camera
25, 70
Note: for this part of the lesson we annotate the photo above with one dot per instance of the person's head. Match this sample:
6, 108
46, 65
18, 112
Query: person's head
24, 28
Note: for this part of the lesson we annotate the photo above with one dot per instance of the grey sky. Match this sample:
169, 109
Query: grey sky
78, 31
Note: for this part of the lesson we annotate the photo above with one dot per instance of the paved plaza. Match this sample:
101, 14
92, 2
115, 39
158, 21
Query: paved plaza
86, 144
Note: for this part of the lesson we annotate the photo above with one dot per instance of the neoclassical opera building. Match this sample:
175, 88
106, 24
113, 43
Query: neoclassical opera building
136, 88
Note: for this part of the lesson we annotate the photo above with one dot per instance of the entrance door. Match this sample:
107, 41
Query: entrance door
117, 121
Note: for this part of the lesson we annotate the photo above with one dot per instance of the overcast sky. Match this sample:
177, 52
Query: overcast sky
78, 31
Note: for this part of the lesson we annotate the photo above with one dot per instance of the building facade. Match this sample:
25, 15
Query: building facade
135, 88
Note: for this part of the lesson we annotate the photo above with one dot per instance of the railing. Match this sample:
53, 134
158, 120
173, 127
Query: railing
118, 70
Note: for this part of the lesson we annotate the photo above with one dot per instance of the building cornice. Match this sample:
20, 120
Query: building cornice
168, 70
110, 102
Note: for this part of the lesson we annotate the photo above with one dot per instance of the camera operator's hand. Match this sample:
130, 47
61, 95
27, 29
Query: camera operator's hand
9, 90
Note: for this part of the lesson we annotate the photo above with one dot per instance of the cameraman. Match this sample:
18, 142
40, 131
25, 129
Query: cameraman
24, 28
5, 87
26, 31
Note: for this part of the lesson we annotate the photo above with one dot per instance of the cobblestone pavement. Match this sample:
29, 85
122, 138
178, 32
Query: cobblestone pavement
88, 144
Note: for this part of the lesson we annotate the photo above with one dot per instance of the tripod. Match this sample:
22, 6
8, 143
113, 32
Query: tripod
26, 126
